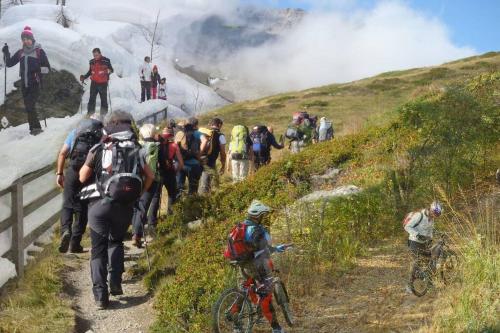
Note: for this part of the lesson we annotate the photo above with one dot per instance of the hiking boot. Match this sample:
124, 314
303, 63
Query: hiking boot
102, 305
36, 131
65, 238
136, 241
75, 248
115, 290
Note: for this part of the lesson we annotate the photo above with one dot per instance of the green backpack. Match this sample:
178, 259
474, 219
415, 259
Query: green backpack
151, 150
238, 144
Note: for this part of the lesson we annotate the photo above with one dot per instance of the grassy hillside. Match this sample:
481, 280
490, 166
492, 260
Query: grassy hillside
413, 149
352, 105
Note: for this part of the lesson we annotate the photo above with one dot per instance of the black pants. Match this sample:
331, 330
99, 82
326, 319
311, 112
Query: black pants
170, 183
108, 223
30, 96
145, 90
261, 159
145, 203
102, 90
73, 208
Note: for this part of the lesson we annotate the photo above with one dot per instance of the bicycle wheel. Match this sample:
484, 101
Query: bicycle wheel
232, 312
281, 296
448, 263
420, 281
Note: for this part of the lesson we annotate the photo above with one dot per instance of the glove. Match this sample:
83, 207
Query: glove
280, 248
82, 78
5, 49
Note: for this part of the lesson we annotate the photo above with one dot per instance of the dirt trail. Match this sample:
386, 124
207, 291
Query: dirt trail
371, 297
131, 312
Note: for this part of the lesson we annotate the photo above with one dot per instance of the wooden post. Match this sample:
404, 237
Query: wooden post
17, 227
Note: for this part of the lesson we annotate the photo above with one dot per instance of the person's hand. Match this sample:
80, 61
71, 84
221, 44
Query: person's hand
5, 49
281, 248
60, 181
82, 78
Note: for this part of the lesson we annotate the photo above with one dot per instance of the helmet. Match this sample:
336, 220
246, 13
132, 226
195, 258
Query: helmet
436, 208
258, 209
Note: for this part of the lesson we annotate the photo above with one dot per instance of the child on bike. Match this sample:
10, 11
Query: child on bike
420, 228
257, 265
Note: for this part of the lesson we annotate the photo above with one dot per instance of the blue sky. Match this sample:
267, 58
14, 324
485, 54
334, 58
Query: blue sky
474, 23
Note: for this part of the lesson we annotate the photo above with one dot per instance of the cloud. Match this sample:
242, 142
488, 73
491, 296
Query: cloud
348, 44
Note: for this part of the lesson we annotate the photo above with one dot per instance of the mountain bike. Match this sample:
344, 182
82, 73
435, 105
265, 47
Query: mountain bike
443, 266
235, 307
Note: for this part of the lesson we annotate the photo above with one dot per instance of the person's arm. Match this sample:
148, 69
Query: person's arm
44, 62
414, 221
223, 158
228, 161
273, 142
141, 72
12, 61
180, 160
85, 173
87, 75
204, 144
61, 158
110, 67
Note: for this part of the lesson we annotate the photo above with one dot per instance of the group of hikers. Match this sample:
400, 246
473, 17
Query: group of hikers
33, 64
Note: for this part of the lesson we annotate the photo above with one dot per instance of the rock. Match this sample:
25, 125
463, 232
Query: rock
329, 177
195, 224
336, 192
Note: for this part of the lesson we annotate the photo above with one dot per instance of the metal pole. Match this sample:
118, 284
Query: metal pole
146, 247
109, 97
5, 78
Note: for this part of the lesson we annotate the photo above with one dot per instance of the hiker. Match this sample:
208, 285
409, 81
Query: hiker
145, 73
33, 63
240, 153
420, 227
325, 130
99, 71
171, 162
150, 151
213, 145
188, 138
299, 132
121, 175
262, 141
155, 81
254, 257
162, 89
76, 147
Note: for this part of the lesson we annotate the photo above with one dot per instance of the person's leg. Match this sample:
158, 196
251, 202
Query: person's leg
103, 95
99, 215
245, 167
143, 92
205, 180
264, 276
154, 90
79, 226
194, 178
93, 95
235, 170
148, 89
30, 96
148, 198
171, 186
181, 181
70, 205
120, 220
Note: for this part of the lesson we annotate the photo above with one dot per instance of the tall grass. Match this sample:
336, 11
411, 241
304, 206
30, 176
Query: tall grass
473, 303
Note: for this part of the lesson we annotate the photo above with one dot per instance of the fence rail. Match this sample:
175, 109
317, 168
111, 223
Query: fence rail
19, 211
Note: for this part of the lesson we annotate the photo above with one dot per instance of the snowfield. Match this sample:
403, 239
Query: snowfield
116, 29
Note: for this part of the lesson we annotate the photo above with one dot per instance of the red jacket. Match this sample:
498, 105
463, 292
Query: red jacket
98, 70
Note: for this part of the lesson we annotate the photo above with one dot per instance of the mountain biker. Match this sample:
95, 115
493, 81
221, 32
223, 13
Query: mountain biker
260, 266
420, 227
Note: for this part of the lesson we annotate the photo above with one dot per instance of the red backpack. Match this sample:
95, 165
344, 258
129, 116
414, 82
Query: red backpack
237, 249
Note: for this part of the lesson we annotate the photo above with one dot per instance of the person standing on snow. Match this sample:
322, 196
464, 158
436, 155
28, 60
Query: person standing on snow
145, 73
155, 81
33, 62
99, 71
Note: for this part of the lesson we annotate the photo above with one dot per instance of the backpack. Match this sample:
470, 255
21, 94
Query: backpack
87, 134
121, 178
237, 249
188, 144
409, 216
167, 155
210, 134
259, 139
325, 131
292, 133
151, 150
238, 144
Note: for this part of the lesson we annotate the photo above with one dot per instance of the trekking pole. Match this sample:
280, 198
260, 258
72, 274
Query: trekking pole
83, 84
146, 248
109, 96
5, 77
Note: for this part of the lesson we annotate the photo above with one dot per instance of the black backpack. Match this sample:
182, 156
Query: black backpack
188, 144
121, 180
259, 139
87, 134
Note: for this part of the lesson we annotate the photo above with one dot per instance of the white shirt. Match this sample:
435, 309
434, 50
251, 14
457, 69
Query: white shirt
145, 72
425, 227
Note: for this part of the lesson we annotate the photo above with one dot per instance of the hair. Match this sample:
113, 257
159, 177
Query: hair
216, 122
163, 79
146, 58
193, 121
119, 117
147, 131
96, 50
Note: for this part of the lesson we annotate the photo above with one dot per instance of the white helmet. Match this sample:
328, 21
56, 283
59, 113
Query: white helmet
436, 208
258, 209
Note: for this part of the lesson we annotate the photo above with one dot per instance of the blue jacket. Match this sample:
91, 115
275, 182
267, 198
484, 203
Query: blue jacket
257, 236
31, 65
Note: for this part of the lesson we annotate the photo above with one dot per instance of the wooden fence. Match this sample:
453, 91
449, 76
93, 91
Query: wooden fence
19, 211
